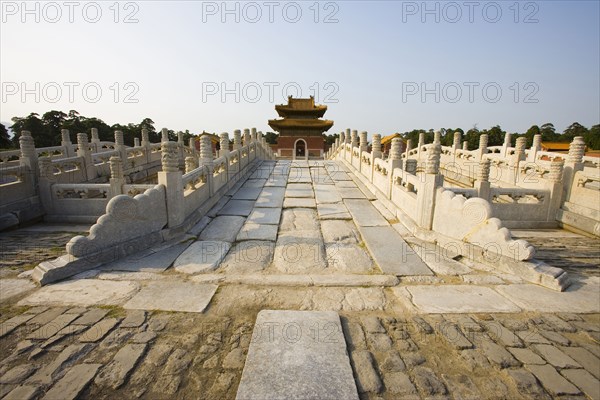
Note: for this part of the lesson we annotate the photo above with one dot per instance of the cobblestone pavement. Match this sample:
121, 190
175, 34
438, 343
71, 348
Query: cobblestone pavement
108, 352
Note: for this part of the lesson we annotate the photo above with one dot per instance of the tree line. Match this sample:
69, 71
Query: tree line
46, 131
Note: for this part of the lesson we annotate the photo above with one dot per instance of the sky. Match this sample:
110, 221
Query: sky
379, 66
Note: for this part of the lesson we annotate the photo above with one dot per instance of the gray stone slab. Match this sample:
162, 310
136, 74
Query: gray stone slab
53, 327
336, 231
320, 176
172, 296
247, 193
241, 208
391, 253
299, 190
327, 194
85, 292
580, 297
73, 383
299, 175
255, 183
248, 256
14, 287
348, 258
252, 231
333, 211
299, 219
339, 175
293, 202
296, 253
201, 256
351, 193
151, 260
267, 216
223, 229
271, 197
287, 360
459, 299
345, 184
364, 214
277, 181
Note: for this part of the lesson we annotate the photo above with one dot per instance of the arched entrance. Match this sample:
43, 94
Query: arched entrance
300, 150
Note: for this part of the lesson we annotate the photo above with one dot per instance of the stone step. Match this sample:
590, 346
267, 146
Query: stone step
337, 280
297, 355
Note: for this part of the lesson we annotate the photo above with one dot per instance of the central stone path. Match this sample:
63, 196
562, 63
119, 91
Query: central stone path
299, 218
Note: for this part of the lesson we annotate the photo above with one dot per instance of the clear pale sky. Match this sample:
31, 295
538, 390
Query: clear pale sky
369, 67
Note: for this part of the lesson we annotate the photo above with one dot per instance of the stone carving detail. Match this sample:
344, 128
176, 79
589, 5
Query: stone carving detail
45, 165
556, 170
483, 143
246, 137
190, 164
116, 167
224, 142
354, 139
471, 221
576, 150
395, 150
433, 159
483, 174
376, 148
411, 166
169, 157
206, 155
147, 212
82, 142
520, 147
119, 138
26, 144
363, 140
237, 139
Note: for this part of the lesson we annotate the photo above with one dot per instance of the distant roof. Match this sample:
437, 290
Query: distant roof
556, 146
388, 138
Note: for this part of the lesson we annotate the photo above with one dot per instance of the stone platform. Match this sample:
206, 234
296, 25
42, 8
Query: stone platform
416, 321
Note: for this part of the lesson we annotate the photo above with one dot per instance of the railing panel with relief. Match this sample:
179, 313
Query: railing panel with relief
195, 189
220, 176
244, 157
356, 158
136, 156
585, 191
133, 190
233, 163
405, 187
68, 170
520, 204
10, 158
80, 199
381, 175
16, 183
52, 152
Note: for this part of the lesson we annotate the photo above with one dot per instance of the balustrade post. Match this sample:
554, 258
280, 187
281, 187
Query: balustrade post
465, 145
431, 180
394, 161
246, 137
363, 142
483, 146
136, 142
83, 150
117, 178
535, 148
482, 183
456, 144
573, 164
408, 148
146, 145
516, 159
121, 148
237, 139
506, 144
65, 143
164, 135
224, 144
206, 160
95, 140
45, 183
555, 185
180, 146
170, 176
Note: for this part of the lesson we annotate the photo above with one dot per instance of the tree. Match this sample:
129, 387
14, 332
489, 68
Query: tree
33, 124
330, 139
271, 137
548, 132
592, 137
531, 132
4, 139
575, 129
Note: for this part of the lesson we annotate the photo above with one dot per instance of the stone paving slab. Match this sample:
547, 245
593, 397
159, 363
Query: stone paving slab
84, 292
292, 202
73, 383
249, 256
149, 261
457, 299
391, 253
320, 176
201, 256
271, 197
267, 216
339, 231
247, 193
251, 231
580, 297
172, 296
223, 229
255, 183
299, 280
348, 258
333, 211
364, 214
299, 175
327, 194
350, 193
14, 287
299, 254
294, 363
241, 208
299, 190
277, 181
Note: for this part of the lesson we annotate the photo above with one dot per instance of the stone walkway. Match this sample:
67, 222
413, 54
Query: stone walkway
177, 321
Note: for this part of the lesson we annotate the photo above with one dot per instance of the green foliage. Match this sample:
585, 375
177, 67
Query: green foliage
4, 139
330, 139
271, 137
